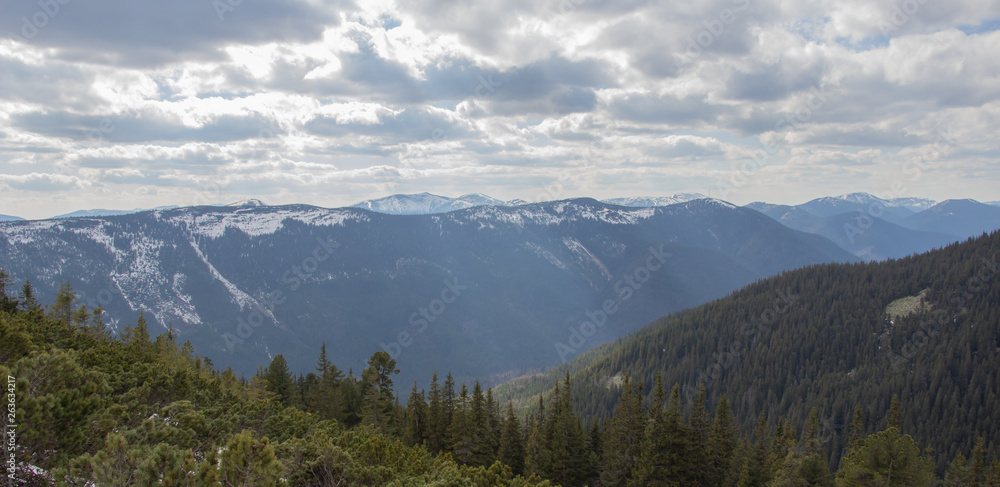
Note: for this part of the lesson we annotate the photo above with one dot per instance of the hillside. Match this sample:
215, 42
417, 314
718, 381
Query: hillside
481, 291
830, 337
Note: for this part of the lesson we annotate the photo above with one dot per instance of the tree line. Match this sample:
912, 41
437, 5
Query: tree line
139, 410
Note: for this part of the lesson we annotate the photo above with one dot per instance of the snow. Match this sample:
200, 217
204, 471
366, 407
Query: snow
643, 201
427, 203
255, 223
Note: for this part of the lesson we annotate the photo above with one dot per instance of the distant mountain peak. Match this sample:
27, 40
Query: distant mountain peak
429, 203
248, 203
10, 218
646, 201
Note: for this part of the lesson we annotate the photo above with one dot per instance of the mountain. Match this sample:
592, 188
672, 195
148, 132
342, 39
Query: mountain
854, 203
864, 236
993, 203
964, 218
834, 337
426, 203
101, 212
646, 201
8, 218
874, 228
96, 213
912, 204
481, 291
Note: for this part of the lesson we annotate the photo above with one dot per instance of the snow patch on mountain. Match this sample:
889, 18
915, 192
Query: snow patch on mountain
255, 223
427, 203
644, 201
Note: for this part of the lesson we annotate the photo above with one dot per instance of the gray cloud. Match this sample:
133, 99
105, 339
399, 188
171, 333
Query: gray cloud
146, 126
151, 33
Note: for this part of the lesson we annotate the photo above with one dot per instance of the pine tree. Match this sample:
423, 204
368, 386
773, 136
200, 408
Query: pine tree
697, 448
415, 432
62, 309
380, 402
537, 459
892, 419
278, 380
721, 444
461, 433
511, 443
856, 430
436, 429
28, 301
352, 400
8, 304
248, 461
888, 459
623, 439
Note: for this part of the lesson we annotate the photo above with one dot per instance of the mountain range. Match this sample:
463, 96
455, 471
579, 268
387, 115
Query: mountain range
875, 229
481, 291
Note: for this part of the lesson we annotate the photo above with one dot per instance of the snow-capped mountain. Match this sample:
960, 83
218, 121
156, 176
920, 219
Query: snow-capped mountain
914, 204
426, 203
8, 218
647, 201
480, 290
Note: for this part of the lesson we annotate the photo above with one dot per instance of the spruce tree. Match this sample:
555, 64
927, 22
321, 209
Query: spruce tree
511, 443
624, 436
278, 380
721, 444
417, 422
436, 429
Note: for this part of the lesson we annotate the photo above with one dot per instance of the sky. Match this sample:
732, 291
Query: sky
123, 104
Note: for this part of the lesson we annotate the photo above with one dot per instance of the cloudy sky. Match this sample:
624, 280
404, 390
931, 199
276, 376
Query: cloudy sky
140, 103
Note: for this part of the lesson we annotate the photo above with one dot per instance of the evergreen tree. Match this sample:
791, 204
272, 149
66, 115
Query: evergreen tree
887, 458
436, 430
856, 431
463, 447
892, 419
62, 309
511, 443
623, 441
537, 460
28, 301
278, 380
380, 402
8, 304
415, 432
721, 445
351, 399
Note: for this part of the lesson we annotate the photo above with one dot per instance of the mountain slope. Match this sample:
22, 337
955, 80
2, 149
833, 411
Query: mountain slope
8, 218
481, 291
925, 327
426, 203
645, 201
965, 218
865, 236
857, 202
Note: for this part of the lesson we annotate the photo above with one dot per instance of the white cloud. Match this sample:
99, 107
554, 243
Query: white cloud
498, 97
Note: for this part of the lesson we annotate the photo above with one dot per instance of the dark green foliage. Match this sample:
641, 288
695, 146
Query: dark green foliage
887, 458
820, 337
145, 411
278, 380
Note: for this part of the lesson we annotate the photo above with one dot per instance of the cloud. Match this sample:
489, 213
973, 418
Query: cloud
145, 33
41, 182
286, 96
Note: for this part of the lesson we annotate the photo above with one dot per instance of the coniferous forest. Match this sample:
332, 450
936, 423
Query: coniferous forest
84, 407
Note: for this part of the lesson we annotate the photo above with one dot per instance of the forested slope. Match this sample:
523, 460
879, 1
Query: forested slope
826, 337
